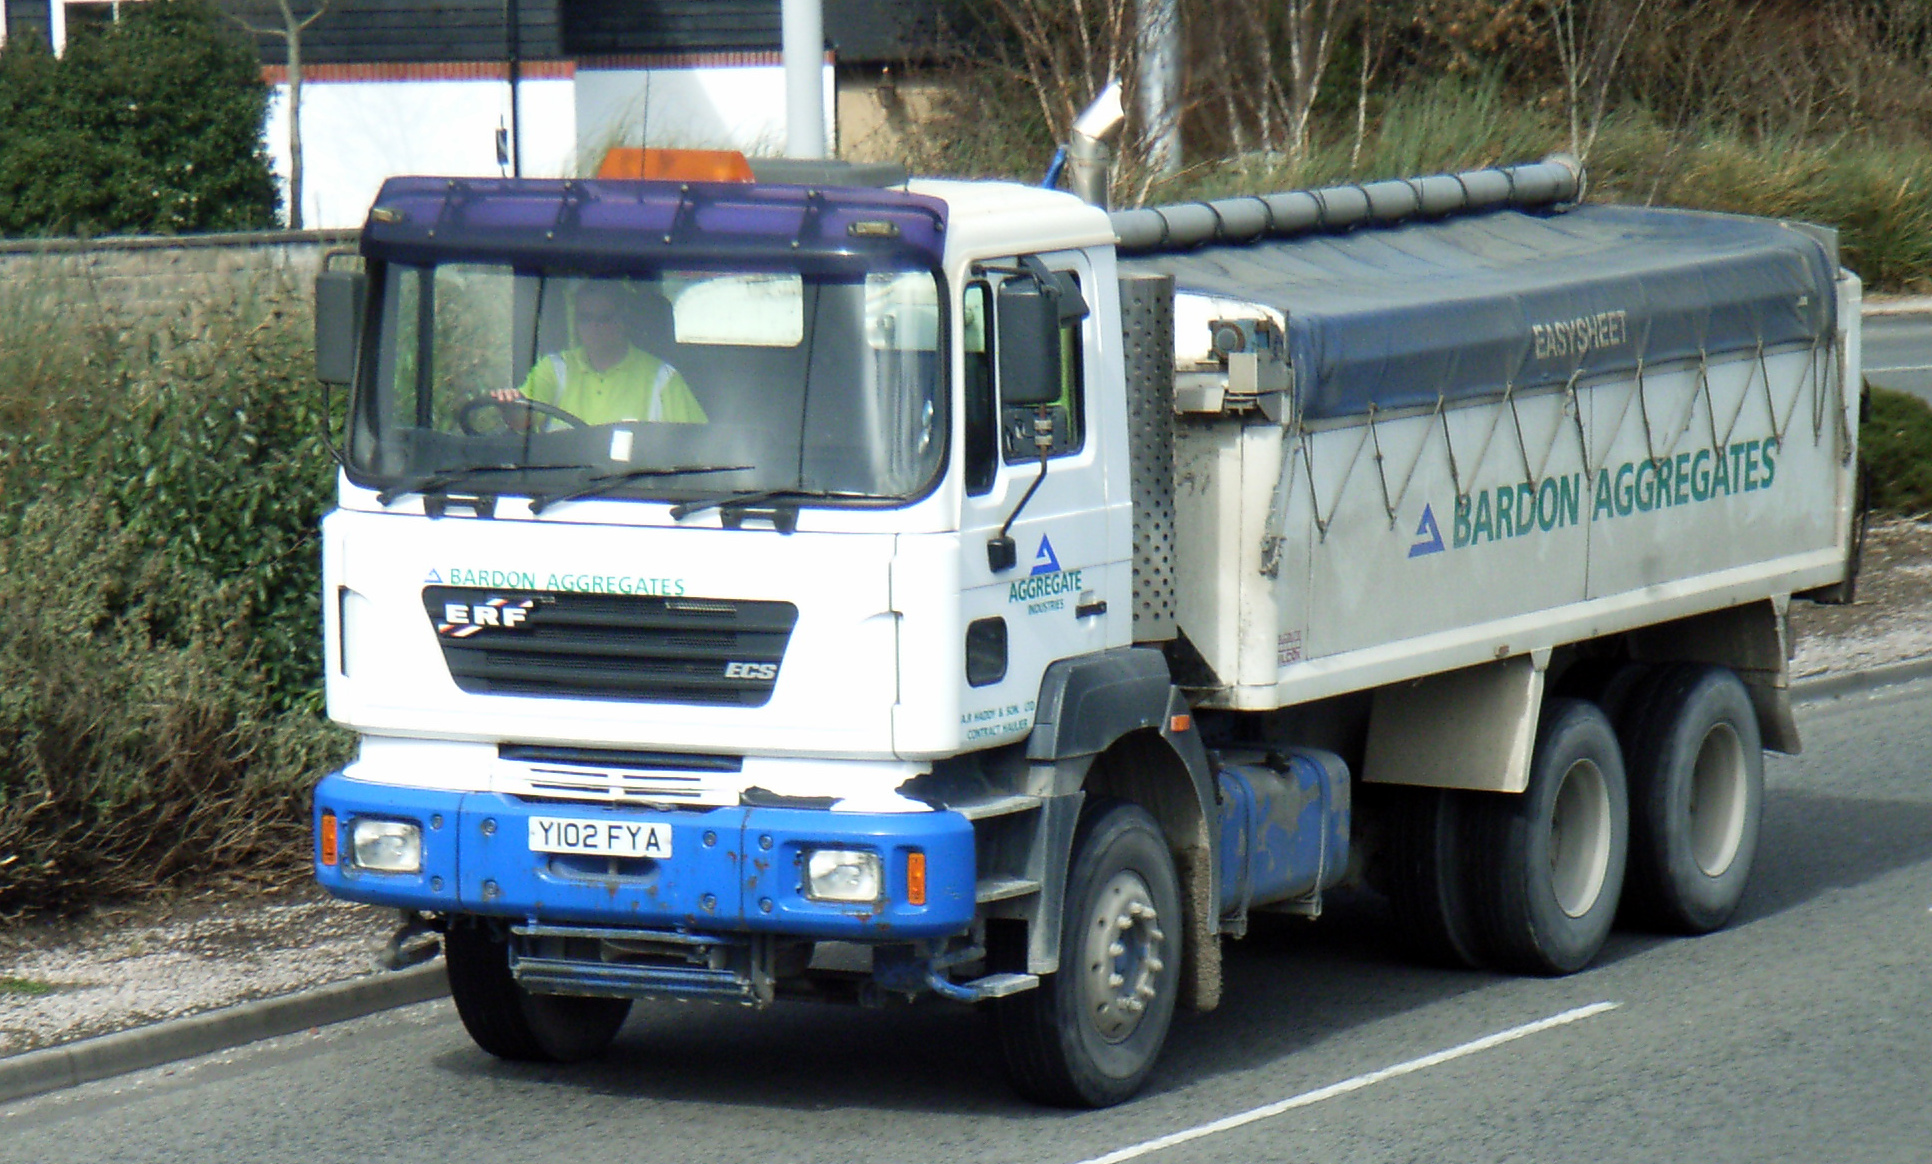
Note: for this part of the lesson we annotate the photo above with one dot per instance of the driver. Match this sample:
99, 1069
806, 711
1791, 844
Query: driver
606, 379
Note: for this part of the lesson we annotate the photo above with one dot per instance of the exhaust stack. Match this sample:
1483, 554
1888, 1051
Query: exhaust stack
1090, 160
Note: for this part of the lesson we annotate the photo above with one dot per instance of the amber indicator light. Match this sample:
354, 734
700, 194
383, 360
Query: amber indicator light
328, 838
915, 878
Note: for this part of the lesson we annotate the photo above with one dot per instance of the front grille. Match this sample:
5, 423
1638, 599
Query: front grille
547, 772
611, 646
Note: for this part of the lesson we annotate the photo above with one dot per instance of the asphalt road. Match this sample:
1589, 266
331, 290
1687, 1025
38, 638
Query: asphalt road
1803, 1032
1898, 353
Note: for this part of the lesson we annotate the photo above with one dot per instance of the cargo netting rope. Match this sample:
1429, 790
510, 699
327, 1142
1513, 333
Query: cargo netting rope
1823, 374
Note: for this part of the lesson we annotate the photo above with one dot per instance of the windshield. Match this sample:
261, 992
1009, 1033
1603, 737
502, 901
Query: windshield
673, 384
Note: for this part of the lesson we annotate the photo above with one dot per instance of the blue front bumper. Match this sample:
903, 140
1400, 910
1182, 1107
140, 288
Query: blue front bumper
730, 869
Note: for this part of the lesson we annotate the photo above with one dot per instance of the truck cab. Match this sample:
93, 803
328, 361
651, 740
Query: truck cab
657, 707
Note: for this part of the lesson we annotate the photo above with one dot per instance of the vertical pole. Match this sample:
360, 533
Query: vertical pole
1160, 82
513, 30
57, 25
804, 40
295, 157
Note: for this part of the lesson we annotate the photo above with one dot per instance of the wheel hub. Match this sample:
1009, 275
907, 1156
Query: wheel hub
1580, 838
1122, 956
1719, 801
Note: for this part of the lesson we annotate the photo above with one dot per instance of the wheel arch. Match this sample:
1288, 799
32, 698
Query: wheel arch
1753, 640
1114, 725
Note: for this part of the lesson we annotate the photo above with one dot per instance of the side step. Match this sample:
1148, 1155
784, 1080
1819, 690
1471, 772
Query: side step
998, 806
980, 989
1001, 985
1001, 888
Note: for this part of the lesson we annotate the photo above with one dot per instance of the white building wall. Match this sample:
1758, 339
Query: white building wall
355, 133
732, 107
361, 125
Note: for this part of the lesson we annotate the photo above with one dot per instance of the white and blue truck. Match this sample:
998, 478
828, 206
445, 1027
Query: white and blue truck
1047, 590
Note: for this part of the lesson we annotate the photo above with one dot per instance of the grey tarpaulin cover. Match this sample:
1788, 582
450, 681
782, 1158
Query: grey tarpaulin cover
1465, 307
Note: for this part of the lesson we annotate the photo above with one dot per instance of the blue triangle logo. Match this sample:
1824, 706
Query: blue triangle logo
1043, 561
434, 578
1428, 535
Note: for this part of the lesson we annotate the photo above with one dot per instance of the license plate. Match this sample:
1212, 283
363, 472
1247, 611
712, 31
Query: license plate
602, 838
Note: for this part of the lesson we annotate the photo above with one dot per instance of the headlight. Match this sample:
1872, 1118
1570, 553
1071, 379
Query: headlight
388, 846
843, 875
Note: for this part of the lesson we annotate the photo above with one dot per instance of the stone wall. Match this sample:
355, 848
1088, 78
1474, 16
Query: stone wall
141, 284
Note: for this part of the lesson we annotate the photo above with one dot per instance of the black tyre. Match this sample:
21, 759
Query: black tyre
1549, 862
1423, 874
510, 1022
1615, 685
1089, 1034
1696, 768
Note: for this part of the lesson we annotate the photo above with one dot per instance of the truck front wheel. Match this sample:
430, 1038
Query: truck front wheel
510, 1022
1089, 1035
1549, 862
1696, 799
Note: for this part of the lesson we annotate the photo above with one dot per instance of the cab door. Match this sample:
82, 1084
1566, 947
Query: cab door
1050, 601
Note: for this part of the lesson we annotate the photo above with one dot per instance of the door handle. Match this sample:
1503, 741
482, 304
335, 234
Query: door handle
1089, 609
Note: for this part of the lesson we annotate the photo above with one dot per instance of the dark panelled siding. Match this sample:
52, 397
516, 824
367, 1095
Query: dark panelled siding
435, 31
356, 32
27, 18
602, 27
894, 31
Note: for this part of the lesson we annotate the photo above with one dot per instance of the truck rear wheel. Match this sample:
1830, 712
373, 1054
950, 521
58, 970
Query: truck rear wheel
1550, 861
1696, 799
510, 1022
1424, 876
1089, 1035
1615, 685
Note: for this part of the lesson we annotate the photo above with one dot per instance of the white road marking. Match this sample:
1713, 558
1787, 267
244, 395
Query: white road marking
1269, 1111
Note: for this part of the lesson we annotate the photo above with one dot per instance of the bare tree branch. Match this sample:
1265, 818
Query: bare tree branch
290, 31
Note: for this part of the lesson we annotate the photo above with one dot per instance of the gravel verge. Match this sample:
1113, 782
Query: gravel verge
174, 955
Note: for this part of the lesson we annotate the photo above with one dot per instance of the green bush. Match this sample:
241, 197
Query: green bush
1895, 444
1878, 196
159, 659
150, 125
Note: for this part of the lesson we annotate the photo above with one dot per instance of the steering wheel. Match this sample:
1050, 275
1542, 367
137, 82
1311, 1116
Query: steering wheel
466, 412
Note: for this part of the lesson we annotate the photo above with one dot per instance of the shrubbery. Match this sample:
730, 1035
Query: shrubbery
1895, 444
159, 653
1819, 110
150, 125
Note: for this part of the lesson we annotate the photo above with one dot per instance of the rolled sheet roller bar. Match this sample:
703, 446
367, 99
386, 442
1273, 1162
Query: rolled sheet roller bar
1251, 217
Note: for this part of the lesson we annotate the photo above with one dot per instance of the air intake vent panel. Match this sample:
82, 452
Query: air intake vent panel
644, 648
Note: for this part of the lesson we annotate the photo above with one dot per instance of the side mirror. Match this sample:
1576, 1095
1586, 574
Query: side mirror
339, 299
1028, 318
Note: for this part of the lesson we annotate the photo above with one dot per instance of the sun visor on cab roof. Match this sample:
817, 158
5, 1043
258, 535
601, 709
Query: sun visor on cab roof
611, 224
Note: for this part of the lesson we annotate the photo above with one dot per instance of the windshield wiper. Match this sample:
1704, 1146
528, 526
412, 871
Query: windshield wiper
437, 482
730, 501
604, 481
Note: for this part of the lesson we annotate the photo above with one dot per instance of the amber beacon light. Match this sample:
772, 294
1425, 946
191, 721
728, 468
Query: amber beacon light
675, 165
